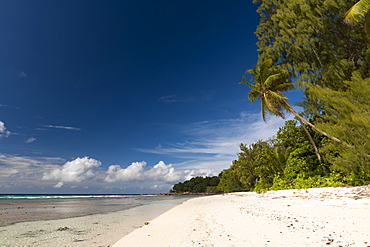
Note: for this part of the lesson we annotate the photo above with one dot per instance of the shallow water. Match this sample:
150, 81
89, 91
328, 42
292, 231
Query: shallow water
104, 223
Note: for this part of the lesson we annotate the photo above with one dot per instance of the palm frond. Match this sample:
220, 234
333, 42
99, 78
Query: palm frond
270, 103
277, 97
272, 80
286, 86
249, 71
253, 95
252, 86
357, 12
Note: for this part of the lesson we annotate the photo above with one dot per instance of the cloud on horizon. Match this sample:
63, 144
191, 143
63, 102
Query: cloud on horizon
24, 171
77, 170
86, 169
41, 172
58, 185
158, 173
215, 144
211, 146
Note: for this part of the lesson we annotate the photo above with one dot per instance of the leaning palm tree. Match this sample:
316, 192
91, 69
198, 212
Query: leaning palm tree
359, 13
270, 83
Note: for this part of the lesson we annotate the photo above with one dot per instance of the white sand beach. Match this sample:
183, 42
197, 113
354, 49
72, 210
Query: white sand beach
313, 217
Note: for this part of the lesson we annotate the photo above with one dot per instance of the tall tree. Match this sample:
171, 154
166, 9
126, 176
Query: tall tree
270, 83
309, 39
348, 115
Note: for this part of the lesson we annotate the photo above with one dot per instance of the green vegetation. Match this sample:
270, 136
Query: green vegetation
309, 45
358, 13
198, 185
285, 162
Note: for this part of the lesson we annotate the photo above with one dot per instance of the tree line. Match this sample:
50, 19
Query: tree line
320, 47
198, 185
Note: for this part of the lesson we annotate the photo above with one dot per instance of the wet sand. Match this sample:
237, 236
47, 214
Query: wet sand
25, 210
99, 227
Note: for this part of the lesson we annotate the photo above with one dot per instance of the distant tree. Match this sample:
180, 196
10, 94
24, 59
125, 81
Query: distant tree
197, 185
214, 181
178, 188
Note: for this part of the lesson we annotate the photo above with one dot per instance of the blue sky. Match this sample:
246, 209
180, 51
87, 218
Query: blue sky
124, 96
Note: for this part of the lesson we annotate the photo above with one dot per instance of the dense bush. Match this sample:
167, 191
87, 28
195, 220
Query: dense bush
198, 185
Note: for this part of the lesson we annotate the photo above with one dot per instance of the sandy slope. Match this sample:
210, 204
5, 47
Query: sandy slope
313, 217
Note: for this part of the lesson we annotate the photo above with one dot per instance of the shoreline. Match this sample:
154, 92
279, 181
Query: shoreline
190, 194
101, 229
14, 211
332, 216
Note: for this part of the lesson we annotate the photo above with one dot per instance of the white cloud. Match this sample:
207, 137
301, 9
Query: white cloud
61, 127
21, 74
174, 98
58, 185
77, 170
158, 173
210, 147
9, 106
133, 172
214, 144
3, 131
38, 171
31, 139
25, 170
168, 99
161, 187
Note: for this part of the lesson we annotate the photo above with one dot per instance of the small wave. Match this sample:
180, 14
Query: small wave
47, 196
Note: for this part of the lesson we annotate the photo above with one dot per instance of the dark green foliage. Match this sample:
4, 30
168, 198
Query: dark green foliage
257, 162
229, 181
308, 42
347, 114
330, 61
198, 185
310, 39
289, 161
359, 13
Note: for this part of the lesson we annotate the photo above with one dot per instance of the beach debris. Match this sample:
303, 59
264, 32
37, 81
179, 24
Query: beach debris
146, 223
63, 228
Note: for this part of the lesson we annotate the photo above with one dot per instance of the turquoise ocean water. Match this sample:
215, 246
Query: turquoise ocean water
87, 219
68, 196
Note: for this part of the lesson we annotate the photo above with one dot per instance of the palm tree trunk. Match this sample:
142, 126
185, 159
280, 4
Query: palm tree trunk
313, 126
311, 140
320, 131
